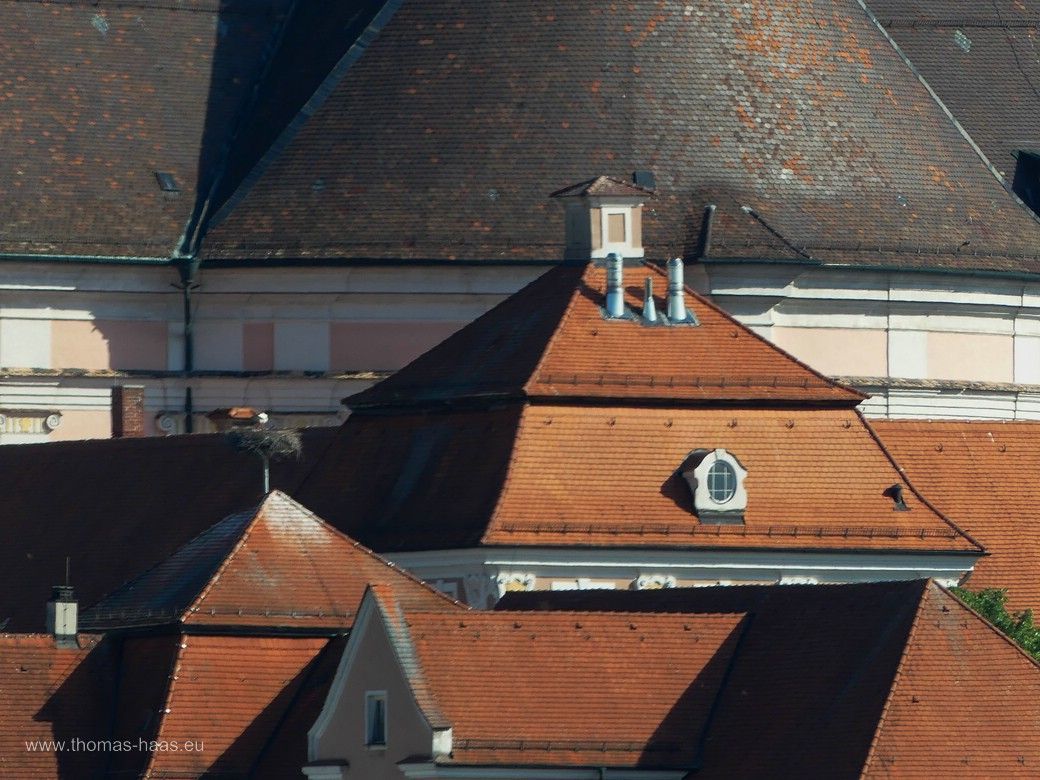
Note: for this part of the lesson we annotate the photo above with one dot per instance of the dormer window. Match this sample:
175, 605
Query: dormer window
604, 216
716, 481
722, 482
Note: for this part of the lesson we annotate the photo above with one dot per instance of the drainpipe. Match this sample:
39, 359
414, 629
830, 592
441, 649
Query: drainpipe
189, 270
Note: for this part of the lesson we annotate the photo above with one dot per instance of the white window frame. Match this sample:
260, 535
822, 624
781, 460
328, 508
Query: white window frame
371, 696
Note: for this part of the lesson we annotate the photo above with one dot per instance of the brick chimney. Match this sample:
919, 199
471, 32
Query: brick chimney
127, 411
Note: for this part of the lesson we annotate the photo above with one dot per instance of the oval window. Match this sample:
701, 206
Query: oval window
722, 482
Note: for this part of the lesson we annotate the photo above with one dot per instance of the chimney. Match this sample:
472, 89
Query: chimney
677, 311
63, 615
127, 411
649, 307
615, 286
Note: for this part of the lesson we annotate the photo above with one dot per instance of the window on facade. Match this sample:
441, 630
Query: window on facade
375, 719
722, 482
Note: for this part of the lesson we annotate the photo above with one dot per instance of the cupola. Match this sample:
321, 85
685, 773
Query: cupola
604, 216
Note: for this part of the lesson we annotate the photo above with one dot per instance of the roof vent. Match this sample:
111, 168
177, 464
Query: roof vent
167, 181
645, 179
677, 311
895, 492
649, 307
615, 286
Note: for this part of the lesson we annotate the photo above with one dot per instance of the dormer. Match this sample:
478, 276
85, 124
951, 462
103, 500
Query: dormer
716, 480
604, 216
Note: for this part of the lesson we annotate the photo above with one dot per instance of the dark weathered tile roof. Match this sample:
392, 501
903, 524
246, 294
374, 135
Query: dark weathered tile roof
981, 59
97, 97
982, 473
277, 565
803, 124
852, 681
117, 508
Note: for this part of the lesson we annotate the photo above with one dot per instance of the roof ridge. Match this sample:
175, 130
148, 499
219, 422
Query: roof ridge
729, 317
949, 114
988, 624
907, 645
167, 699
215, 576
906, 479
369, 552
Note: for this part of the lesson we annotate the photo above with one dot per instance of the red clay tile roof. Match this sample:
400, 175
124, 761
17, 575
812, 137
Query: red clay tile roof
286, 750
567, 689
54, 693
230, 693
98, 98
444, 139
275, 566
118, 507
551, 340
983, 476
878, 680
568, 475
965, 701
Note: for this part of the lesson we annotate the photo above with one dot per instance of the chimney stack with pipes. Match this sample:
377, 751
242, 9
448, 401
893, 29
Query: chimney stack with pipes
63, 615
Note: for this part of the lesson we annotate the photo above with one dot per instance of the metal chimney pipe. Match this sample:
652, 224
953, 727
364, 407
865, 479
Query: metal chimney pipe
676, 300
615, 286
649, 307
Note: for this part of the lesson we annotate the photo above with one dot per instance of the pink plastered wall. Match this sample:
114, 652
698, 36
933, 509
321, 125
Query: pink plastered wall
977, 357
116, 344
837, 351
384, 345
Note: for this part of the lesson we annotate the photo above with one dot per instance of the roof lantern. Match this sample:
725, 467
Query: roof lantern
604, 216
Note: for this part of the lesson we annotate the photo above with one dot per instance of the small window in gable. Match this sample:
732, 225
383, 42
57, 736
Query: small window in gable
375, 718
716, 482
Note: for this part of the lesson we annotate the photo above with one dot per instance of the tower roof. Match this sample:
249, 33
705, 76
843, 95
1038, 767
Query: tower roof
551, 341
804, 125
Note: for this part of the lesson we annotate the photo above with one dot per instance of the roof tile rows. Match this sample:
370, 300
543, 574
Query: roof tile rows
574, 688
275, 566
881, 680
445, 139
982, 474
551, 340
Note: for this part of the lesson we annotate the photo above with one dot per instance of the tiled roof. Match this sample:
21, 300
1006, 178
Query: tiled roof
983, 475
604, 475
117, 508
98, 97
275, 566
565, 689
231, 693
53, 693
878, 680
980, 59
551, 340
959, 676
445, 138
